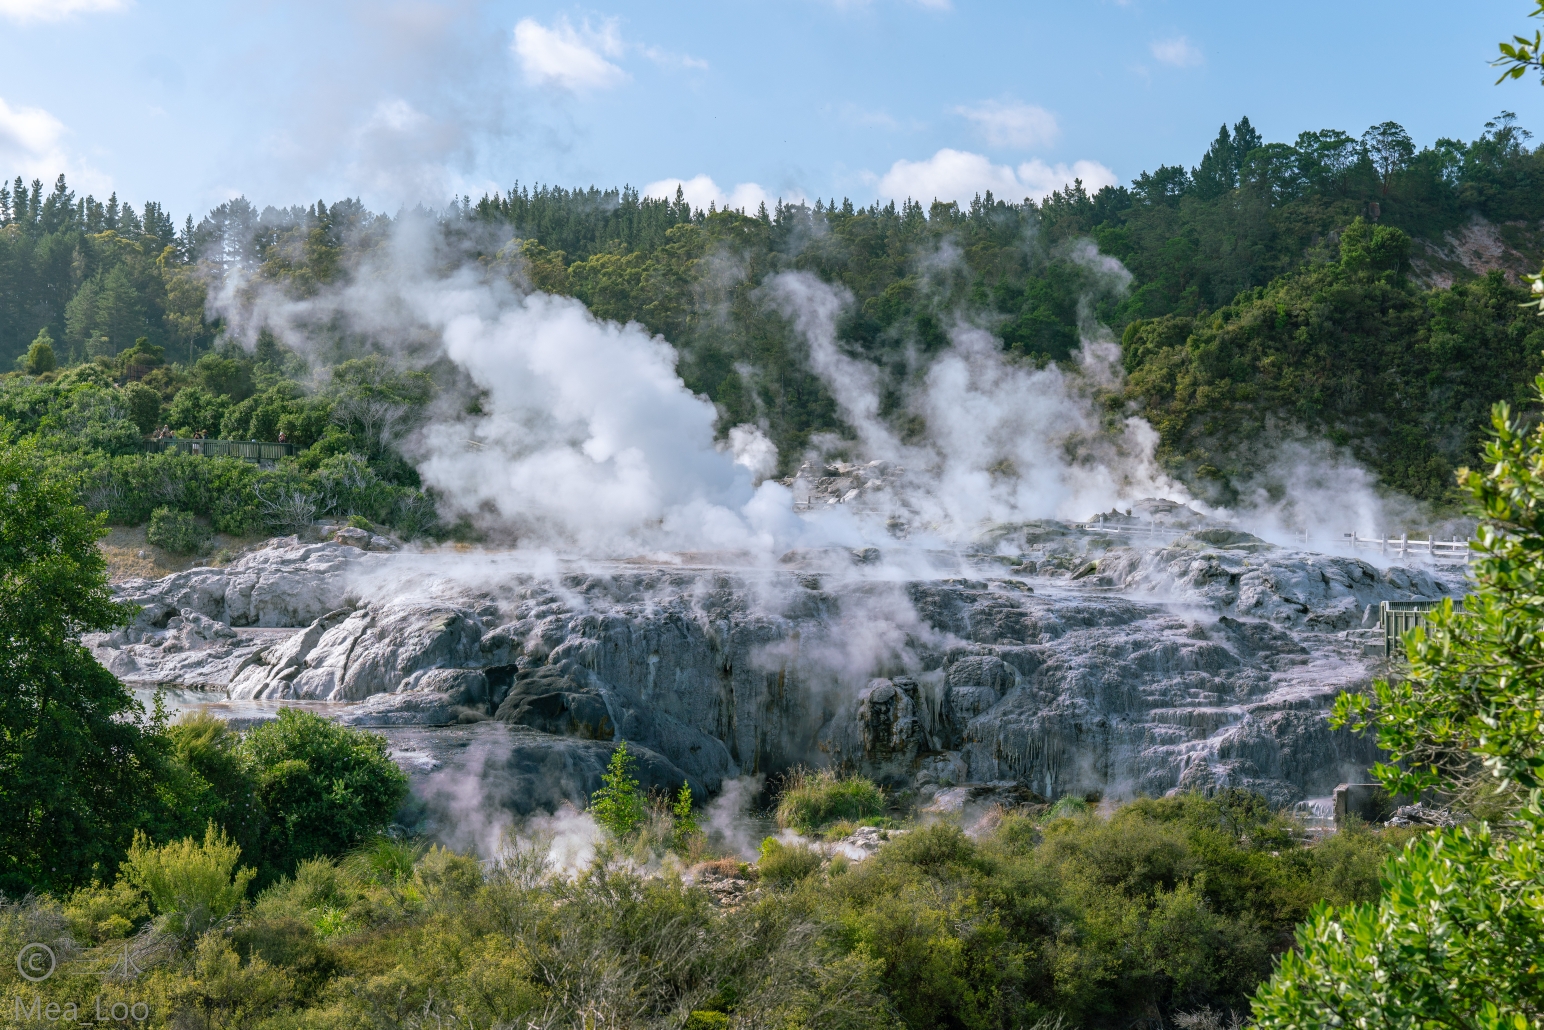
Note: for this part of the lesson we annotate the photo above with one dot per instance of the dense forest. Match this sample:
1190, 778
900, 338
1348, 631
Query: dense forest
1325, 289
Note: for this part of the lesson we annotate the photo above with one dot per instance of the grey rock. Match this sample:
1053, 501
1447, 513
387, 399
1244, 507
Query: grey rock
351, 656
1200, 665
277, 586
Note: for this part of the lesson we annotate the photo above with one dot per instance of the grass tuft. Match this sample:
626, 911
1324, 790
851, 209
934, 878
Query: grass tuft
810, 800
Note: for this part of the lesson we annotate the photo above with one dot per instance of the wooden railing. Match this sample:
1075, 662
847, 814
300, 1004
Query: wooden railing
251, 450
1398, 618
1402, 545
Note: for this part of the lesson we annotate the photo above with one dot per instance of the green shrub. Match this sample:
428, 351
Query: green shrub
706, 1020
191, 885
176, 531
785, 863
684, 828
812, 799
144, 407
100, 913
222, 785
1068, 806
195, 410
324, 789
40, 355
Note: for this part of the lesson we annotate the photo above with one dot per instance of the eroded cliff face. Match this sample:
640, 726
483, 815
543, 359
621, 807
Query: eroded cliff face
1206, 662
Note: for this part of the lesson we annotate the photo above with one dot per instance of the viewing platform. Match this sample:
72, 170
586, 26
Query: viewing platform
251, 450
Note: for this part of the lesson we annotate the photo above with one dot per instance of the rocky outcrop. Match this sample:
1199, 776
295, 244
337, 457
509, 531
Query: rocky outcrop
285, 584
1205, 662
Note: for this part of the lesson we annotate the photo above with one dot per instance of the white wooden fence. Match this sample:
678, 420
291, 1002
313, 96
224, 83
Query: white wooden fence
1403, 546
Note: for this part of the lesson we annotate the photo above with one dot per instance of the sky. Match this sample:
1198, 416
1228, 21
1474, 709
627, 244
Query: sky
399, 102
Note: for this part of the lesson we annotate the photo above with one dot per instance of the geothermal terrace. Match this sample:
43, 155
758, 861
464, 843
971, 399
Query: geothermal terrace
1041, 660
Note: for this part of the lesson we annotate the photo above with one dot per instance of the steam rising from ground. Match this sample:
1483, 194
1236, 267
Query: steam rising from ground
1005, 442
568, 432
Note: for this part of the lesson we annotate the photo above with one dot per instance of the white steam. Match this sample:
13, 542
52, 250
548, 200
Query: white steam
728, 822
1004, 442
571, 433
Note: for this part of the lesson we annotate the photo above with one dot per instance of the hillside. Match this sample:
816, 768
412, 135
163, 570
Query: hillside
1354, 291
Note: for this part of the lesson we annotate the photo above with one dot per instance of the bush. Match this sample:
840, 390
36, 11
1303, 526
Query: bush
785, 863
812, 799
40, 355
222, 787
176, 531
144, 407
324, 789
191, 885
1454, 940
195, 410
1068, 807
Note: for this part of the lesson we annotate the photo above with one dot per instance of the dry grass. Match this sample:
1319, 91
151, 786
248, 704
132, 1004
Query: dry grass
130, 556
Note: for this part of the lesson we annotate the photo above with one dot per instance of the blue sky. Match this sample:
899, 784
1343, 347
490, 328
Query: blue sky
191, 103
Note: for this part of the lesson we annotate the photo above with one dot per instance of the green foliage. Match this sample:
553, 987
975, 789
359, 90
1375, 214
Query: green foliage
101, 913
1069, 806
144, 405
176, 531
77, 759
1163, 907
618, 805
1020, 928
784, 864
1320, 335
1518, 56
1474, 692
1453, 942
810, 800
684, 827
220, 783
78, 422
323, 788
40, 355
191, 885
1454, 939
1345, 350
195, 410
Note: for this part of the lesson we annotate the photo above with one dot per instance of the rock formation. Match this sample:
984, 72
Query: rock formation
1052, 661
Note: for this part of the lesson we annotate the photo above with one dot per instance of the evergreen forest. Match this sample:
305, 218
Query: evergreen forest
1351, 289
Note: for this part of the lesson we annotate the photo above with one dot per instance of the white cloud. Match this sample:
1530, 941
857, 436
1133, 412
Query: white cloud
32, 146
671, 59
1040, 179
566, 57
959, 175
1179, 52
30, 140
701, 190
1007, 123
55, 10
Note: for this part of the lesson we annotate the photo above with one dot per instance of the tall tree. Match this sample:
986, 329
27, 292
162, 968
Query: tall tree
76, 757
